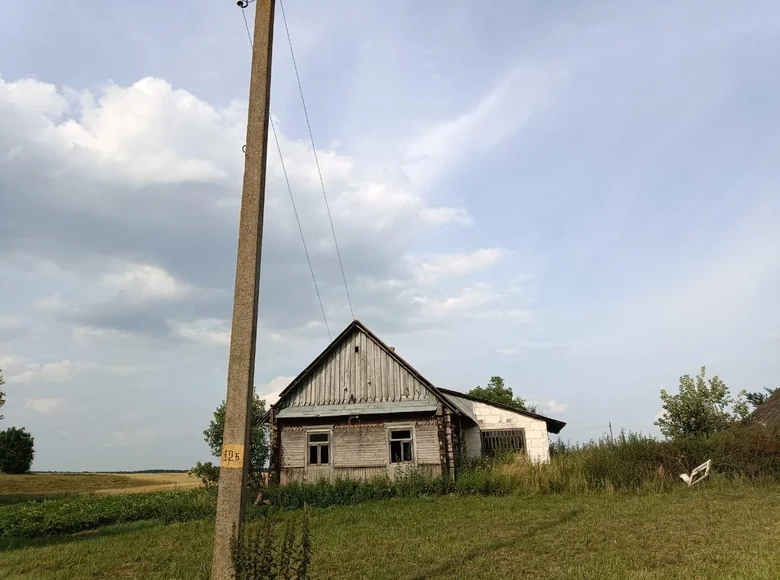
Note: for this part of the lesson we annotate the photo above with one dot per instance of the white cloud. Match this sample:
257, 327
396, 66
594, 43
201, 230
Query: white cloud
10, 323
86, 333
209, 332
507, 351
132, 436
43, 405
49, 303
11, 326
498, 115
23, 371
62, 370
432, 268
553, 406
468, 299
270, 391
145, 281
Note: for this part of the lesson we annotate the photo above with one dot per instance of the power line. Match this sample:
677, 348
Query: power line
292, 198
316, 159
300, 229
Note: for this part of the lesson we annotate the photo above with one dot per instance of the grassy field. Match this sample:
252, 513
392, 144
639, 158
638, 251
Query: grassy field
39, 485
707, 533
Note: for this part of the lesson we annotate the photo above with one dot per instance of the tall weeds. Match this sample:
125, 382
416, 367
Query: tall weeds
270, 551
636, 462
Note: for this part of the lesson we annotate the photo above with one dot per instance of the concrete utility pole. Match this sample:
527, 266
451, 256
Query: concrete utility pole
234, 461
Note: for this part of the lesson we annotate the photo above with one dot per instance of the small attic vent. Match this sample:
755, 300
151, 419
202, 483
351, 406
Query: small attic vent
357, 348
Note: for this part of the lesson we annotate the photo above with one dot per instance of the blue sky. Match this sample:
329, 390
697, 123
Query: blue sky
583, 200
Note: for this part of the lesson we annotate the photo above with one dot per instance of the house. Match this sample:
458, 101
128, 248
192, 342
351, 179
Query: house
360, 410
768, 412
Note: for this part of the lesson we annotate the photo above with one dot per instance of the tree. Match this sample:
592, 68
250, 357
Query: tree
16, 451
258, 448
497, 392
701, 408
2, 394
757, 398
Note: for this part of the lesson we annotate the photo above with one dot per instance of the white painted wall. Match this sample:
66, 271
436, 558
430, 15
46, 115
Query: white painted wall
489, 417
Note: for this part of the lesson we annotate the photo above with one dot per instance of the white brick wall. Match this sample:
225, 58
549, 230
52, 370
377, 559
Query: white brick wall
490, 417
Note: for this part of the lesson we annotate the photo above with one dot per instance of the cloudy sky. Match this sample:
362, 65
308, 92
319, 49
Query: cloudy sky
581, 199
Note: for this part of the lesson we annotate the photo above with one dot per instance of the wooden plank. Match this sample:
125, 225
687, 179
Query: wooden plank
369, 375
293, 447
427, 441
359, 446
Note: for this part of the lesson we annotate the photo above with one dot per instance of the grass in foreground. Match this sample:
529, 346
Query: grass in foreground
707, 533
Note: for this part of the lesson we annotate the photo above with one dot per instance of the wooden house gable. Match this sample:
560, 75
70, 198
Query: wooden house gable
356, 373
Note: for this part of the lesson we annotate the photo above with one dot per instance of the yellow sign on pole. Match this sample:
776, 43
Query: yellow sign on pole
232, 456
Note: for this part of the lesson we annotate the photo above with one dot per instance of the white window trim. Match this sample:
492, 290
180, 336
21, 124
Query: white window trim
401, 427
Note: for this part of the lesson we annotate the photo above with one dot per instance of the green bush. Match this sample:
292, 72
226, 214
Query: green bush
16, 451
89, 512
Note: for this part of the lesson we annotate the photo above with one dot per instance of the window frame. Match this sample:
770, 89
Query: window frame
412, 440
319, 445
508, 435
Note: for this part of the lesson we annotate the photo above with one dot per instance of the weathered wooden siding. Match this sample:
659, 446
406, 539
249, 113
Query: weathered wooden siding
369, 375
293, 448
360, 446
358, 451
427, 441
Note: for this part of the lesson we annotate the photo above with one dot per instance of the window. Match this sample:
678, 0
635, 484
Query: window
319, 448
503, 441
401, 446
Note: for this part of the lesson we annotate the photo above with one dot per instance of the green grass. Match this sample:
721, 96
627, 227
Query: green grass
86, 512
713, 532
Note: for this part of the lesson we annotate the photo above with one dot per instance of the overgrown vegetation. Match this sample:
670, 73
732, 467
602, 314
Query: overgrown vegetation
630, 462
89, 512
273, 551
208, 473
700, 408
17, 450
759, 398
497, 391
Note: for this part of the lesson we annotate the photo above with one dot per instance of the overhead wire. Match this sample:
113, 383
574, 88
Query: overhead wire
292, 198
316, 158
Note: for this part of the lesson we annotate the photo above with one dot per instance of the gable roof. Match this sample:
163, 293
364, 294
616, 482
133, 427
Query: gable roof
768, 412
454, 400
460, 400
337, 342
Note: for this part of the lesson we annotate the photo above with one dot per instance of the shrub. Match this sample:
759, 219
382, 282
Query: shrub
16, 450
89, 512
207, 473
269, 551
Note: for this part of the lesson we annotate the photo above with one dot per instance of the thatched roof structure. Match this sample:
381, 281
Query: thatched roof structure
768, 412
